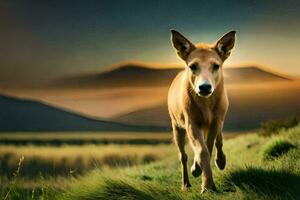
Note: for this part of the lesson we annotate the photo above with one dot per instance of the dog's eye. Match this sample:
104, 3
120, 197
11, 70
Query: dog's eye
216, 67
193, 67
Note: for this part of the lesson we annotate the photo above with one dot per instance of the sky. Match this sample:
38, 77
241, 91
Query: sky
41, 40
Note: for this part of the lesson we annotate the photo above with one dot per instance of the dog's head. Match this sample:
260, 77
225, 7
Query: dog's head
204, 62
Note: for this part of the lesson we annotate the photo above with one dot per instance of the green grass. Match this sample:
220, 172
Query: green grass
273, 127
276, 148
246, 176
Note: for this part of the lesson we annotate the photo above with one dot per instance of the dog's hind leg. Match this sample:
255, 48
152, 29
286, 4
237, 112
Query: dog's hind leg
179, 139
220, 157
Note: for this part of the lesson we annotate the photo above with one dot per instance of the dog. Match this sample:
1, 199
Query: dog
197, 105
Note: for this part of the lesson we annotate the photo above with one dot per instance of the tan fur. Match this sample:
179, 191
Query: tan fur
200, 118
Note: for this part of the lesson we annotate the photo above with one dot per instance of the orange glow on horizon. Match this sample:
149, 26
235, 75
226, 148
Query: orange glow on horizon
178, 65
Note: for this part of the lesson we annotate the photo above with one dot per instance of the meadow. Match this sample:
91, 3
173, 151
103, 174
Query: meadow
258, 167
75, 160
84, 138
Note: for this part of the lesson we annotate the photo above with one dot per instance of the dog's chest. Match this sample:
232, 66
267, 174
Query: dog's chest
203, 116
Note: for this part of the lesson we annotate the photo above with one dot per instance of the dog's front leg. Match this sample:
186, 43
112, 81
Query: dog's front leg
202, 156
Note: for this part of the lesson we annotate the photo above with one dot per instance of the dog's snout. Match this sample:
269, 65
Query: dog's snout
205, 88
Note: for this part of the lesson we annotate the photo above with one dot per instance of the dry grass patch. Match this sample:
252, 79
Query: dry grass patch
66, 160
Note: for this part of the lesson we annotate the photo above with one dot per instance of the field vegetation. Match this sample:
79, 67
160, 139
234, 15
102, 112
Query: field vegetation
258, 167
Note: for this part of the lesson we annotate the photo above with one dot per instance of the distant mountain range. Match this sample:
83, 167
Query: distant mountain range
132, 97
241, 116
27, 115
249, 105
138, 75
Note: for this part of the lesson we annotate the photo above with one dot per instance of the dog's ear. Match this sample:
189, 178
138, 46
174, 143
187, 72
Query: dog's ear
225, 44
183, 46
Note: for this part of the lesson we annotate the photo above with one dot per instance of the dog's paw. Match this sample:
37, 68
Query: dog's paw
221, 161
209, 188
196, 170
185, 187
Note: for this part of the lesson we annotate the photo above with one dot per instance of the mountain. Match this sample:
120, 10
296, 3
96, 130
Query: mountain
128, 75
136, 94
140, 75
27, 115
249, 105
252, 74
156, 115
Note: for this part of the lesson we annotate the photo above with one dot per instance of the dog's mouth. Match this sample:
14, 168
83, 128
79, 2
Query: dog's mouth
204, 94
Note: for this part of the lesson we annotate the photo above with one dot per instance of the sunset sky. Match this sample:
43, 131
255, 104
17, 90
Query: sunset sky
40, 40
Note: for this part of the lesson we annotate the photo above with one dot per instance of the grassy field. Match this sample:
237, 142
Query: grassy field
257, 168
75, 160
84, 138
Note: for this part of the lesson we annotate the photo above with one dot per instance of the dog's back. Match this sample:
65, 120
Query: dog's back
175, 95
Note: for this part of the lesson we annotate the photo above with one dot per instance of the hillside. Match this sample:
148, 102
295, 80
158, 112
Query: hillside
27, 115
252, 74
136, 94
138, 75
248, 175
122, 76
249, 106
257, 167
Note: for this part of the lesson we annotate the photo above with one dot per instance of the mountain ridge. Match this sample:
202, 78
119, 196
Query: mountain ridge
20, 114
132, 74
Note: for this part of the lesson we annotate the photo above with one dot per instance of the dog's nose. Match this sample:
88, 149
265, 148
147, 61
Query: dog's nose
205, 88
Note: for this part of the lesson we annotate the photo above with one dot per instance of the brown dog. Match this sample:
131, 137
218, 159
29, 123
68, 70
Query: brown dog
198, 103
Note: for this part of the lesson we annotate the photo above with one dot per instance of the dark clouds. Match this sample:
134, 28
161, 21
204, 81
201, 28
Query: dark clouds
43, 39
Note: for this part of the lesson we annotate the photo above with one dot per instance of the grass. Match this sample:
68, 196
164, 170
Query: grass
84, 138
75, 160
246, 176
273, 127
276, 148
